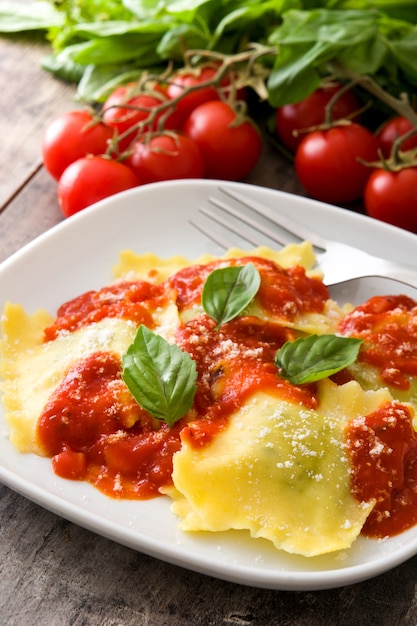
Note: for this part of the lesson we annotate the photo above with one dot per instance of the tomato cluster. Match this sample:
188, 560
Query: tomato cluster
191, 127
187, 128
339, 161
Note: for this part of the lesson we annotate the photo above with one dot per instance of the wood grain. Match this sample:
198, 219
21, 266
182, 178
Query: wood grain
29, 99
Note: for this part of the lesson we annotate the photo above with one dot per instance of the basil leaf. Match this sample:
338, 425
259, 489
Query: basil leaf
228, 290
312, 358
63, 66
365, 41
17, 18
160, 376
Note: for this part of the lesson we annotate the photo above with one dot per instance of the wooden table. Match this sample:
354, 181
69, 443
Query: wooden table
53, 572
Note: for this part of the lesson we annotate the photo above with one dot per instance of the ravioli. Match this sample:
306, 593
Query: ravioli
388, 327
280, 471
31, 368
278, 467
151, 267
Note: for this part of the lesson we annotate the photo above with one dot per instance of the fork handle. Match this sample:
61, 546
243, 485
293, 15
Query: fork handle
403, 273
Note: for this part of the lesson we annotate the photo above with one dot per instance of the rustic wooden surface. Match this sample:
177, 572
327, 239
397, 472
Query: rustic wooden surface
53, 572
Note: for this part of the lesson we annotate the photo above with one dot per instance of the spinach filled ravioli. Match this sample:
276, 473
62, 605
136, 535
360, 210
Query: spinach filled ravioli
233, 385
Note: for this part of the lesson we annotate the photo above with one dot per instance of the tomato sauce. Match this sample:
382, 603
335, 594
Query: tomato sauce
92, 427
383, 452
388, 326
233, 363
126, 300
94, 430
283, 292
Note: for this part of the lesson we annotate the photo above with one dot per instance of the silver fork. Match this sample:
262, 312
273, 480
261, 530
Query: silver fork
349, 272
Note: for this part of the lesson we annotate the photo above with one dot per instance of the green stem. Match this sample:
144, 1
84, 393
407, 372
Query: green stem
400, 105
162, 111
403, 159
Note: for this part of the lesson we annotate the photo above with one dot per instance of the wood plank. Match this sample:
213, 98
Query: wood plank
26, 106
31, 212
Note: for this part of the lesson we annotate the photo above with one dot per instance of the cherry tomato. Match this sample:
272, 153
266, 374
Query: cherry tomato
124, 110
71, 136
190, 80
91, 179
311, 112
391, 197
166, 157
230, 148
391, 130
327, 165
192, 100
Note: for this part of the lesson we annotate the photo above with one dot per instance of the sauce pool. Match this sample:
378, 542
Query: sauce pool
388, 326
383, 452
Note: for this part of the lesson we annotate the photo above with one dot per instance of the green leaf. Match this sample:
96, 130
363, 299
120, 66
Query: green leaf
244, 18
103, 51
375, 37
399, 9
79, 11
228, 290
365, 41
98, 81
160, 376
183, 36
307, 40
63, 66
16, 18
312, 358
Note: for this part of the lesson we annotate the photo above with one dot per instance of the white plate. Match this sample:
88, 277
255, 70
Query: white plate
77, 255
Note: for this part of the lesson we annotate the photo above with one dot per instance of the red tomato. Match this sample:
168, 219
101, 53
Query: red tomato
392, 197
230, 150
166, 157
124, 110
192, 100
391, 130
71, 136
91, 179
327, 165
190, 80
311, 112
70, 464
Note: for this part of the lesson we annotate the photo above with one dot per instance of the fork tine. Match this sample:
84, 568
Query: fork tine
231, 228
249, 221
214, 236
283, 221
